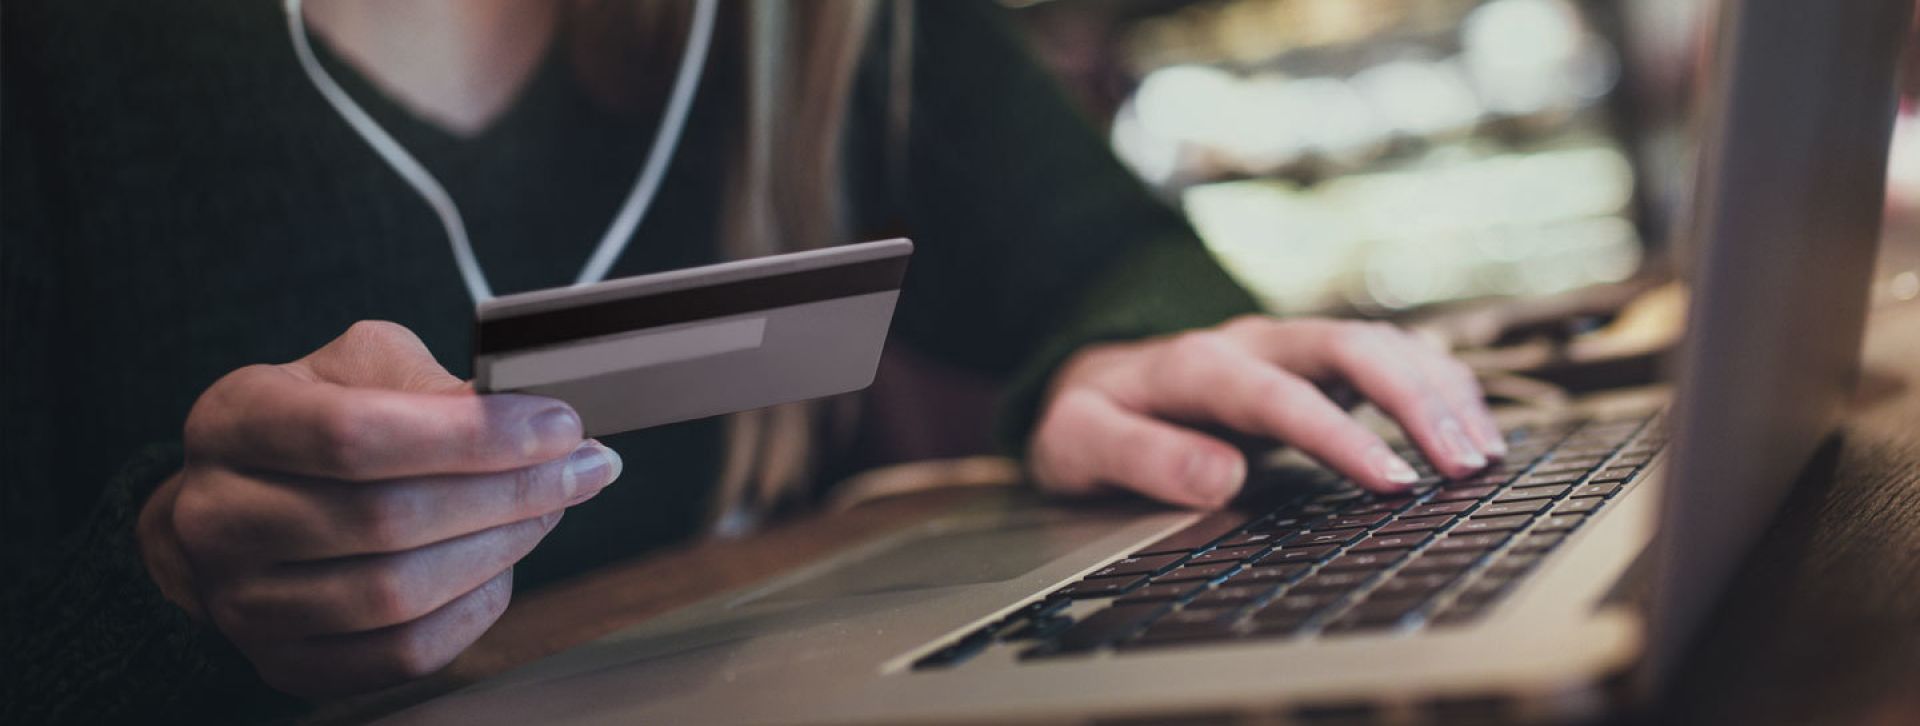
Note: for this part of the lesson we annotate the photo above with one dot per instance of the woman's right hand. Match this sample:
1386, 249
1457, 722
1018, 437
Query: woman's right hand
350, 520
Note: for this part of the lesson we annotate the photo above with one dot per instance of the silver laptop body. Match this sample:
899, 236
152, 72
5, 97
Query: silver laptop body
1787, 207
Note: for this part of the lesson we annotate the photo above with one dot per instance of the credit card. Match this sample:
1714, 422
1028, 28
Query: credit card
702, 341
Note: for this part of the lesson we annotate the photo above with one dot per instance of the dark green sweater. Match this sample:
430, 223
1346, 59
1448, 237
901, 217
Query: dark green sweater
179, 202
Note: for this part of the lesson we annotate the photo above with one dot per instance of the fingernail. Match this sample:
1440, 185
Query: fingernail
1461, 450
1215, 477
1491, 441
591, 466
1393, 468
552, 427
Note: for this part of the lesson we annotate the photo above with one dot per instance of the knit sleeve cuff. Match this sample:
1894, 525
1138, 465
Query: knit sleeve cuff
101, 644
1166, 286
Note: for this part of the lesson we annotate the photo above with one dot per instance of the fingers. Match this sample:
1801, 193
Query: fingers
1460, 388
1390, 371
379, 354
273, 418
367, 593
297, 520
1208, 376
360, 662
1088, 440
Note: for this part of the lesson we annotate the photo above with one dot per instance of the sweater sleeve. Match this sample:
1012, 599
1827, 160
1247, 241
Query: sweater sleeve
92, 640
85, 635
1034, 240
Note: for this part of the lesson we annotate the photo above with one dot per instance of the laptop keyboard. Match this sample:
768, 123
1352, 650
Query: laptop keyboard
1332, 559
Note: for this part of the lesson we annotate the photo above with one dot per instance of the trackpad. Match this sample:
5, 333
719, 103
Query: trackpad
969, 556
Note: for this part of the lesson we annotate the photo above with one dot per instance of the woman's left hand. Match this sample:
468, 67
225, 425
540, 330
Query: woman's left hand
1114, 414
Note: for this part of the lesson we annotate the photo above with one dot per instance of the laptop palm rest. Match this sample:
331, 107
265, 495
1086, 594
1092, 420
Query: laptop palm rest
850, 611
970, 555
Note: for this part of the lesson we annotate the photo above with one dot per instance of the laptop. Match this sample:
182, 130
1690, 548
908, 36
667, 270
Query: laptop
1561, 584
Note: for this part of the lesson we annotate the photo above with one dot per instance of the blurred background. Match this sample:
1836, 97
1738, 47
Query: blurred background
1380, 155
1377, 156
1515, 164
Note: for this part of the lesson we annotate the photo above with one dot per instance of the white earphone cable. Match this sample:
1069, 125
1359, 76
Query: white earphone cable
693, 61
666, 138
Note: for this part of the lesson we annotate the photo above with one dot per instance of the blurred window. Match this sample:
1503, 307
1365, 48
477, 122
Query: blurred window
1376, 155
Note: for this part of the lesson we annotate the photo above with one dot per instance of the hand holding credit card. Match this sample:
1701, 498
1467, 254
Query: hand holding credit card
674, 346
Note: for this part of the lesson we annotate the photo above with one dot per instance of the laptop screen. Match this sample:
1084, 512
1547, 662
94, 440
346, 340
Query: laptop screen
1795, 125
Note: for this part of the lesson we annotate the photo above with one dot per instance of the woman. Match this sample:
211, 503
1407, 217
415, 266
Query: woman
184, 209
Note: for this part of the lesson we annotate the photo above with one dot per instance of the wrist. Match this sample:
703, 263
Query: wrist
160, 550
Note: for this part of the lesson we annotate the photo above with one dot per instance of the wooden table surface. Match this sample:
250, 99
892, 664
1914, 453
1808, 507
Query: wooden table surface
1821, 625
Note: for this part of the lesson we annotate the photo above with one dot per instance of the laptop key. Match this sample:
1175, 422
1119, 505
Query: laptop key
1539, 542
1503, 509
1469, 542
1282, 526
1231, 596
1159, 592
1162, 634
1135, 566
1195, 572
1290, 555
1367, 616
1356, 520
1596, 490
1322, 509
1038, 609
1630, 458
1277, 575
1268, 575
1236, 554
1099, 629
1534, 480
1615, 474
1404, 586
1332, 581
1448, 508
1545, 492
1494, 524
1333, 537
1468, 495
1301, 605
1197, 535
1189, 617
1040, 629
1484, 589
1513, 565
1418, 524
1570, 468
1101, 587
1357, 560
1566, 460
1278, 625
1404, 540
1578, 506
1487, 479
1254, 539
1454, 562
1560, 522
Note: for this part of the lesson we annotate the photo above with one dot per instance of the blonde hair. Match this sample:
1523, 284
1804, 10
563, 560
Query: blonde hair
785, 190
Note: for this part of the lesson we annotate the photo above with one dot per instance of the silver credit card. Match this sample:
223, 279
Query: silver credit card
673, 346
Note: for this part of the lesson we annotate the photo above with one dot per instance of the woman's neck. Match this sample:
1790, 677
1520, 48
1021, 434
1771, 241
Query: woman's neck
458, 64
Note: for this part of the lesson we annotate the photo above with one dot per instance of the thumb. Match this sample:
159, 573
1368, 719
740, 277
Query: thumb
381, 354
